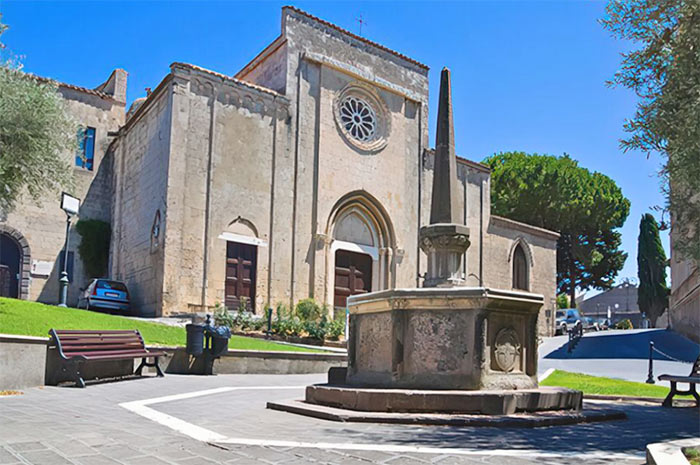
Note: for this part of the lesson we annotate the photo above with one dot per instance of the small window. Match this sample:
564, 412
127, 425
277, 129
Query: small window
86, 148
155, 232
520, 274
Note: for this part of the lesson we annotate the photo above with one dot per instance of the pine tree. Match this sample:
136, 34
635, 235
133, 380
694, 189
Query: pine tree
652, 296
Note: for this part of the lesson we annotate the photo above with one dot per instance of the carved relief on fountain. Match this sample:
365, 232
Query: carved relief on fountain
507, 350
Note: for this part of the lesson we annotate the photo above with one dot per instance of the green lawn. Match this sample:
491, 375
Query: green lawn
605, 386
35, 319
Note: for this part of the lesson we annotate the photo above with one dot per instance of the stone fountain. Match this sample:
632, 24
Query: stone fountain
443, 348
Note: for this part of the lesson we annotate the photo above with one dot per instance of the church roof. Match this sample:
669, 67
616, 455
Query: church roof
470, 163
356, 37
65, 85
525, 227
228, 78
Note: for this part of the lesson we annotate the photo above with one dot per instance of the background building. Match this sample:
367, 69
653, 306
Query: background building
622, 302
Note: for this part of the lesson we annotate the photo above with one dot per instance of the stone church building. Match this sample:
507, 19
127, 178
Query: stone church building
307, 174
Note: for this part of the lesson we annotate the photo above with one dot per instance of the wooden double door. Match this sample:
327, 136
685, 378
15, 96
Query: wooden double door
353, 275
241, 267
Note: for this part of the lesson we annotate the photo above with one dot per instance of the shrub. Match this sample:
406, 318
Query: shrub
222, 317
287, 326
336, 328
282, 310
624, 324
243, 305
316, 329
309, 310
94, 246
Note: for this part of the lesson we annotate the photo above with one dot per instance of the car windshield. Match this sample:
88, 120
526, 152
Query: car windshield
560, 314
114, 285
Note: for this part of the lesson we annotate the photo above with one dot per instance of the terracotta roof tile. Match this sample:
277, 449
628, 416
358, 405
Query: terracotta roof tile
74, 87
356, 37
228, 78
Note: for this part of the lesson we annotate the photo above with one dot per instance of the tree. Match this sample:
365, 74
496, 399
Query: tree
652, 295
585, 208
664, 72
562, 301
35, 135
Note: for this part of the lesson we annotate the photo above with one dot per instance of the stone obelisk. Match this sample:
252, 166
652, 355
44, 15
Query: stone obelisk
444, 240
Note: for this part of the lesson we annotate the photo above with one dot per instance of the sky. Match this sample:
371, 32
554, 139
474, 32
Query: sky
527, 76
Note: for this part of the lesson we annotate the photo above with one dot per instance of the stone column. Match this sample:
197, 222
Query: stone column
444, 240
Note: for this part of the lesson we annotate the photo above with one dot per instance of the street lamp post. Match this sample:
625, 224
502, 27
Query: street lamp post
70, 205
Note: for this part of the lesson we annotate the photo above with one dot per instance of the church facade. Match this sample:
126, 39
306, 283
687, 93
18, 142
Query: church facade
307, 174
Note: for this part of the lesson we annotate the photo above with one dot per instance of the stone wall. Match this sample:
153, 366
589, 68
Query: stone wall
475, 203
684, 312
140, 196
492, 239
540, 247
227, 139
43, 225
269, 68
322, 62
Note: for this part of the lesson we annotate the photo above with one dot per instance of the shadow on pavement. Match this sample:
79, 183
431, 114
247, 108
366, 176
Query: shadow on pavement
645, 424
632, 345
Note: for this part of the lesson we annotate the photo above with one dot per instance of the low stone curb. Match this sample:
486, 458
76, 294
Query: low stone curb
670, 453
653, 400
532, 420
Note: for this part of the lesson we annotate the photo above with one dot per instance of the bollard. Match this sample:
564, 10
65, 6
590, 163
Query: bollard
650, 377
269, 322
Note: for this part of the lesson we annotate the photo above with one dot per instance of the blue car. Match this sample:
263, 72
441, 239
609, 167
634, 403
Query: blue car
567, 319
105, 294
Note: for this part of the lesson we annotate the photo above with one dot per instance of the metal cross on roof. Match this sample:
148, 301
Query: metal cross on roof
362, 22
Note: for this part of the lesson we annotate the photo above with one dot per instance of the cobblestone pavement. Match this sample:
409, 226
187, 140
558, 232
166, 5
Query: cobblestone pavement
89, 426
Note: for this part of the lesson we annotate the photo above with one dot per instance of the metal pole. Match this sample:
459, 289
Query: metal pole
269, 321
650, 377
64, 281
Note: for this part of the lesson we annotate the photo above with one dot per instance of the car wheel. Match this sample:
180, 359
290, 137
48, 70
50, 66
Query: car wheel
564, 329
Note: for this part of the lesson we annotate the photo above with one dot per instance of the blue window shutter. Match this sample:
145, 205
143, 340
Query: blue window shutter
89, 148
86, 148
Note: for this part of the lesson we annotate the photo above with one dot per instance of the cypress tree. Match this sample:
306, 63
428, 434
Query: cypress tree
652, 295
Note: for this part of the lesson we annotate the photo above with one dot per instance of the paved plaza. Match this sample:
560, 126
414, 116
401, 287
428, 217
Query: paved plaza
223, 420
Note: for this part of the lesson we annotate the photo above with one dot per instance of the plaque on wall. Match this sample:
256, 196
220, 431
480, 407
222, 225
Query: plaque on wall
41, 268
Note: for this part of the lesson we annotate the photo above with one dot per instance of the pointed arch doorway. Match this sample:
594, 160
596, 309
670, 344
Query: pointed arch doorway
360, 256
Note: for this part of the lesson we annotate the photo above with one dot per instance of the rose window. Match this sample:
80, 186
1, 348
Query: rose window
358, 118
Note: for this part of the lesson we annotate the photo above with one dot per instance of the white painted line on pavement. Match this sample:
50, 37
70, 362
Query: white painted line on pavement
545, 375
181, 426
202, 434
186, 428
425, 450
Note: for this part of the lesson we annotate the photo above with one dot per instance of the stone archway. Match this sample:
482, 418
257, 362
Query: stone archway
24, 266
360, 256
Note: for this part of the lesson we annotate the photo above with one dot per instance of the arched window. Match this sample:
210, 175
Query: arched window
520, 272
155, 232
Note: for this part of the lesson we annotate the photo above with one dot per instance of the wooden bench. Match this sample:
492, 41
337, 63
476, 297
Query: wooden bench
76, 347
692, 379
